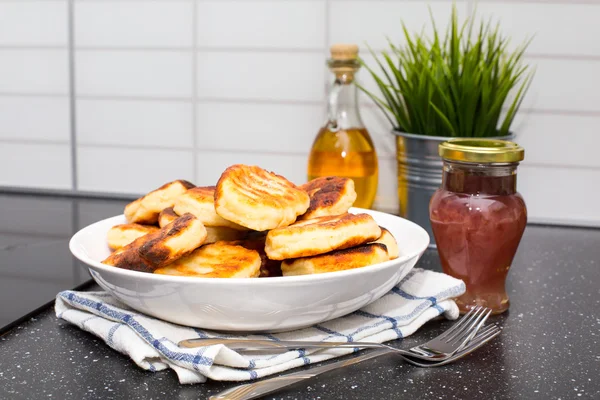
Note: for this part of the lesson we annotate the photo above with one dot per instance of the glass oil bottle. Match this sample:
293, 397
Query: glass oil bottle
343, 146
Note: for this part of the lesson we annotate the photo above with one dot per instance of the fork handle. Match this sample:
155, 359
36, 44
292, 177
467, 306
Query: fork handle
261, 388
283, 346
271, 346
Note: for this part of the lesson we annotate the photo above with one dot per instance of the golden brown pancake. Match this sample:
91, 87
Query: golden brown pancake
200, 201
338, 260
258, 199
145, 210
166, 216
329, 195
174, 241
321, 235
121, 235
128, 257
390, 243
217, 260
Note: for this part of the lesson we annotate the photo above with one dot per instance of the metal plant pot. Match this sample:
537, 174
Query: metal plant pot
419, 175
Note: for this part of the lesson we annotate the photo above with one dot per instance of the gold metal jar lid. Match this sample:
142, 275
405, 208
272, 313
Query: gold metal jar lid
481, 151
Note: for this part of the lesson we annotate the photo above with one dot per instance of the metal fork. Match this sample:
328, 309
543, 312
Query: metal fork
437, 349
253, 390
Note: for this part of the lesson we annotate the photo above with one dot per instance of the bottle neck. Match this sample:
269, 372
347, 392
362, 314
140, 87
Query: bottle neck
491, 179
343, 103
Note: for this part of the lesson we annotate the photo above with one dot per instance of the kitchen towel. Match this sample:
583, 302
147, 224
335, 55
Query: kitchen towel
152, 343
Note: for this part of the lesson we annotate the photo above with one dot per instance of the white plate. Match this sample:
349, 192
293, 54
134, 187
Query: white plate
256, 304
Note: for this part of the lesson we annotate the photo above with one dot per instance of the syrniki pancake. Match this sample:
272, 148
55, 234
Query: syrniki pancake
166, 216
217, 260
390, 242
200, 201
331, 195
174, 241
121, 235
128, 257
321, 235
338, 260
145, 210
258, 199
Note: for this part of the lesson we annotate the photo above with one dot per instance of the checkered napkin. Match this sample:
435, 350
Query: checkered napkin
152, 343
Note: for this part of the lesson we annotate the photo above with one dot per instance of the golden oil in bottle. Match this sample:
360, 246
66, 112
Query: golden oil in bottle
349, 153
343, 147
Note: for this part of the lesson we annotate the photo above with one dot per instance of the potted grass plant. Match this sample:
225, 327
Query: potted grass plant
466, 83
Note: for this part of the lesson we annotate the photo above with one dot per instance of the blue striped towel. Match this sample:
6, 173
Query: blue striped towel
152, 343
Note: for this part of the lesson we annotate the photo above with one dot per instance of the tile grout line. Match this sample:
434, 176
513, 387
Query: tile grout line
72, 93
36, 141
195, 91
277, 50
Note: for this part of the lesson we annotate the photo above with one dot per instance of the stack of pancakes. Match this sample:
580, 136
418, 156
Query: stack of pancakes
253, 223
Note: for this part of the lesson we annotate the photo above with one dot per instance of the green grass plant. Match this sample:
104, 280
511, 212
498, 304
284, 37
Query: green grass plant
464, 84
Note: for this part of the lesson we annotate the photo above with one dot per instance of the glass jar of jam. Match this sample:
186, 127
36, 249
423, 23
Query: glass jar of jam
478, 217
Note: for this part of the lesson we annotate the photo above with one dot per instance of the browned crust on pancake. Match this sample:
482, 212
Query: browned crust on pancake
340, 260
167, 216
255, 196
316, 225
330, 195
203, 193
224, 258
245, 175
200, 201
155, 251
138, 229
151, 215
128, 257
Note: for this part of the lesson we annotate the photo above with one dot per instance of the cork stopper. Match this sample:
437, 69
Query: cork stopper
343, 52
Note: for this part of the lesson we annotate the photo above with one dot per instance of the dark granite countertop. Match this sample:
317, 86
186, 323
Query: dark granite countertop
549, 348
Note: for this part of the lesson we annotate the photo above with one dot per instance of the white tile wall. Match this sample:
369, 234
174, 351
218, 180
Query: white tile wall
556, 28
33, 23
269, 24
131, 24
129, 170
133, 123
184, 88
34, 83
559, 140
272, 127
134, 73
560, 195
563, 84
40, 119
259, 75
35, 165
371, 22
34, 71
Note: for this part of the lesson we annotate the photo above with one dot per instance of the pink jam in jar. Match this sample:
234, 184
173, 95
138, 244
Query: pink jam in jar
478, 217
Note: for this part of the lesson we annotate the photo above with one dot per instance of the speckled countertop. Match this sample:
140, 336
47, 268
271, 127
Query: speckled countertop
550, 347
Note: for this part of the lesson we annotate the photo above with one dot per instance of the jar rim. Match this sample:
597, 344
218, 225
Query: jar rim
475, 150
